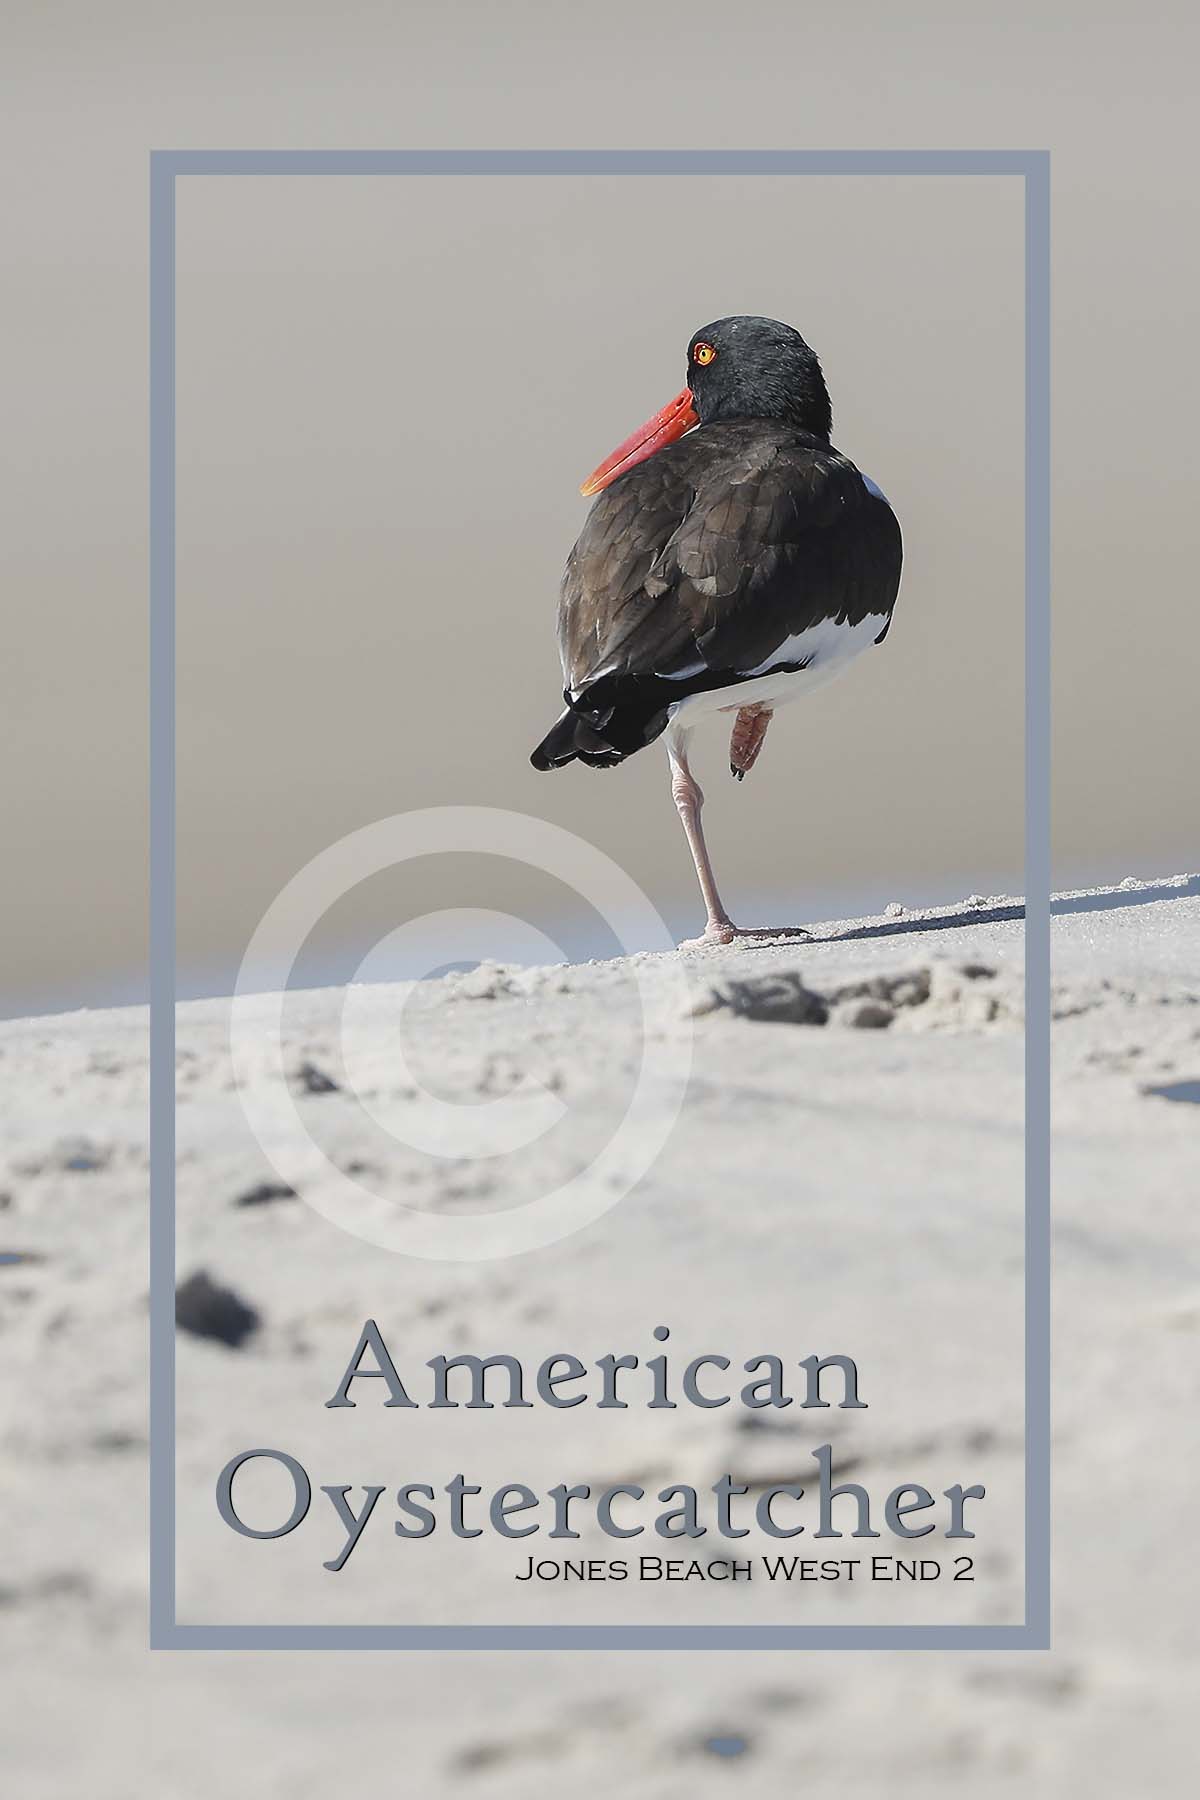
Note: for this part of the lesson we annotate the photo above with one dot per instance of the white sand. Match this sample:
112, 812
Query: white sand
826, 1189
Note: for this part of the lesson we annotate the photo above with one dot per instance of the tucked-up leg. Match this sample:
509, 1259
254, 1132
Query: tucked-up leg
746, 740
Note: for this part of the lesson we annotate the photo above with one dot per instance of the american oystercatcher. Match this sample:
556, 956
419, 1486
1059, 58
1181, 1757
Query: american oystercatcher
727, 570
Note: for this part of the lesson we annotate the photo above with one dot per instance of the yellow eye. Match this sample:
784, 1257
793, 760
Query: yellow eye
703, 353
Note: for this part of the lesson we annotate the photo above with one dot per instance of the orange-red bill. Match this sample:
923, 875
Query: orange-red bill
676, 417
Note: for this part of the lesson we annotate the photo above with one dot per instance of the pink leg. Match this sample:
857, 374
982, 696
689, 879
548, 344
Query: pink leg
686, 793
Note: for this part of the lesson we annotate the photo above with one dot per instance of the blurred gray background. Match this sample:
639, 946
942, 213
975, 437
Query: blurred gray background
390, 389
389, 392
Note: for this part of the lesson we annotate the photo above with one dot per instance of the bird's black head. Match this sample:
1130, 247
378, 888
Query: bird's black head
750, 368
739, 368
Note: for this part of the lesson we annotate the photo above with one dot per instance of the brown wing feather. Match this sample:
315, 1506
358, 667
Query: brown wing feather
714, 551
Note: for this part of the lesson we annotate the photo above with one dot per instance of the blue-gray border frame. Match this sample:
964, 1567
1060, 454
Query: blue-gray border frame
166, 166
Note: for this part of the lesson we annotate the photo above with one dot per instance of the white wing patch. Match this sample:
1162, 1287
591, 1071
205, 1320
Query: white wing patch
824, 644
824, 649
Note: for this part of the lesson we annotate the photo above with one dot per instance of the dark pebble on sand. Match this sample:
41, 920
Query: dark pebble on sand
1187, 1091
770, 999
316, 1081
208, 1310
264, 1193
733, 1745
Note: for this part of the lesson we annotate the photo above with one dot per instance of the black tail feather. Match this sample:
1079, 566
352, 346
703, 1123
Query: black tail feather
572, 737
619, 714
612, 718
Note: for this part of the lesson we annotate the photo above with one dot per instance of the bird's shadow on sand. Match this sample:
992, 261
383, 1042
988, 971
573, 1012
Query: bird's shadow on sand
1061, 906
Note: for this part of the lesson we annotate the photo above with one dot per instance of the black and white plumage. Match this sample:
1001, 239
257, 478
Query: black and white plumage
730, 569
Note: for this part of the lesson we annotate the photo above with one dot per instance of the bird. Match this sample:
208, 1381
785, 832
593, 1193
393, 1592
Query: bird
732, 561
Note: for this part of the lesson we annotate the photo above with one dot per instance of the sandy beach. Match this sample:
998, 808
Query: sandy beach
853, 1185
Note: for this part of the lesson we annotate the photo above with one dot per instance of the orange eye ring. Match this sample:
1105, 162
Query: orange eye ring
703, 354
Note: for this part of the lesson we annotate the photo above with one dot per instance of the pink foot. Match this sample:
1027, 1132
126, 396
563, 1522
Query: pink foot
727, 934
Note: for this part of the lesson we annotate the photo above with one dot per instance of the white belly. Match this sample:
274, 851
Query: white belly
829, 648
